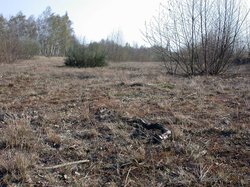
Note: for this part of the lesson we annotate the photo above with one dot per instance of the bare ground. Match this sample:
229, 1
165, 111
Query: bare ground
70, 127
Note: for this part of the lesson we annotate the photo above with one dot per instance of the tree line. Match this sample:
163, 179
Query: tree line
51, 35
194, 37
117, 53
22, 37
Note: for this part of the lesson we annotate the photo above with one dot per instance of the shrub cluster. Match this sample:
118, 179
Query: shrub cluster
82, 56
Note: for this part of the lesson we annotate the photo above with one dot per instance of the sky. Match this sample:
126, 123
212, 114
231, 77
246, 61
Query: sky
93, 19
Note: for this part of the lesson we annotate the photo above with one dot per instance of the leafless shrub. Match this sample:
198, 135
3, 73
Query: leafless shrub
197, 37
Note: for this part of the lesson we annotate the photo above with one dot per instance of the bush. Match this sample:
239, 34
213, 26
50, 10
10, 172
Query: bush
13, 49
198, 37
29, 48
82, 56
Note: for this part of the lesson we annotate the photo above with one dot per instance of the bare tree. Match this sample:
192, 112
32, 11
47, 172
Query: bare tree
197, 36
247, 36
116, 40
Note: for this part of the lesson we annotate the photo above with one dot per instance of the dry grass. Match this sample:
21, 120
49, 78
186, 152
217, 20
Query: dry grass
62, 115
16, 168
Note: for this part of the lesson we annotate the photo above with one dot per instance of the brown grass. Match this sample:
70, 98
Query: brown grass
18, 134
63, 115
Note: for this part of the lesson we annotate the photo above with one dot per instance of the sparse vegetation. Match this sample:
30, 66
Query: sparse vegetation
70, 126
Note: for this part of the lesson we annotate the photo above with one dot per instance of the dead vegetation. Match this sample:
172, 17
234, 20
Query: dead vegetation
81, 127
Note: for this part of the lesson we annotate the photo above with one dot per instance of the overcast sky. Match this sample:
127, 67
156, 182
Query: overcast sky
93, 19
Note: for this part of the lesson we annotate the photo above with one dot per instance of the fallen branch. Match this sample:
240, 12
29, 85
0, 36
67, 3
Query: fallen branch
64, 164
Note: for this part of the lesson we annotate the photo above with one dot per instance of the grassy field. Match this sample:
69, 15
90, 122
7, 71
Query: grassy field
81, 127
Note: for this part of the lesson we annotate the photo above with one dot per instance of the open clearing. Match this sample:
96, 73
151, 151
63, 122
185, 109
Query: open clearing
52, 115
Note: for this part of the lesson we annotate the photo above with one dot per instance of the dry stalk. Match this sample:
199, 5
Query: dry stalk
64, 164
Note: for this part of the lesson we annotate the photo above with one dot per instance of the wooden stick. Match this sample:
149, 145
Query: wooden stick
64, 164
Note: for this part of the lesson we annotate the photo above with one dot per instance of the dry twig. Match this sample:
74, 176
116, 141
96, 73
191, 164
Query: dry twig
64, 164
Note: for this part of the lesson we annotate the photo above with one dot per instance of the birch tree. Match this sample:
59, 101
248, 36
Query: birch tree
54, 33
